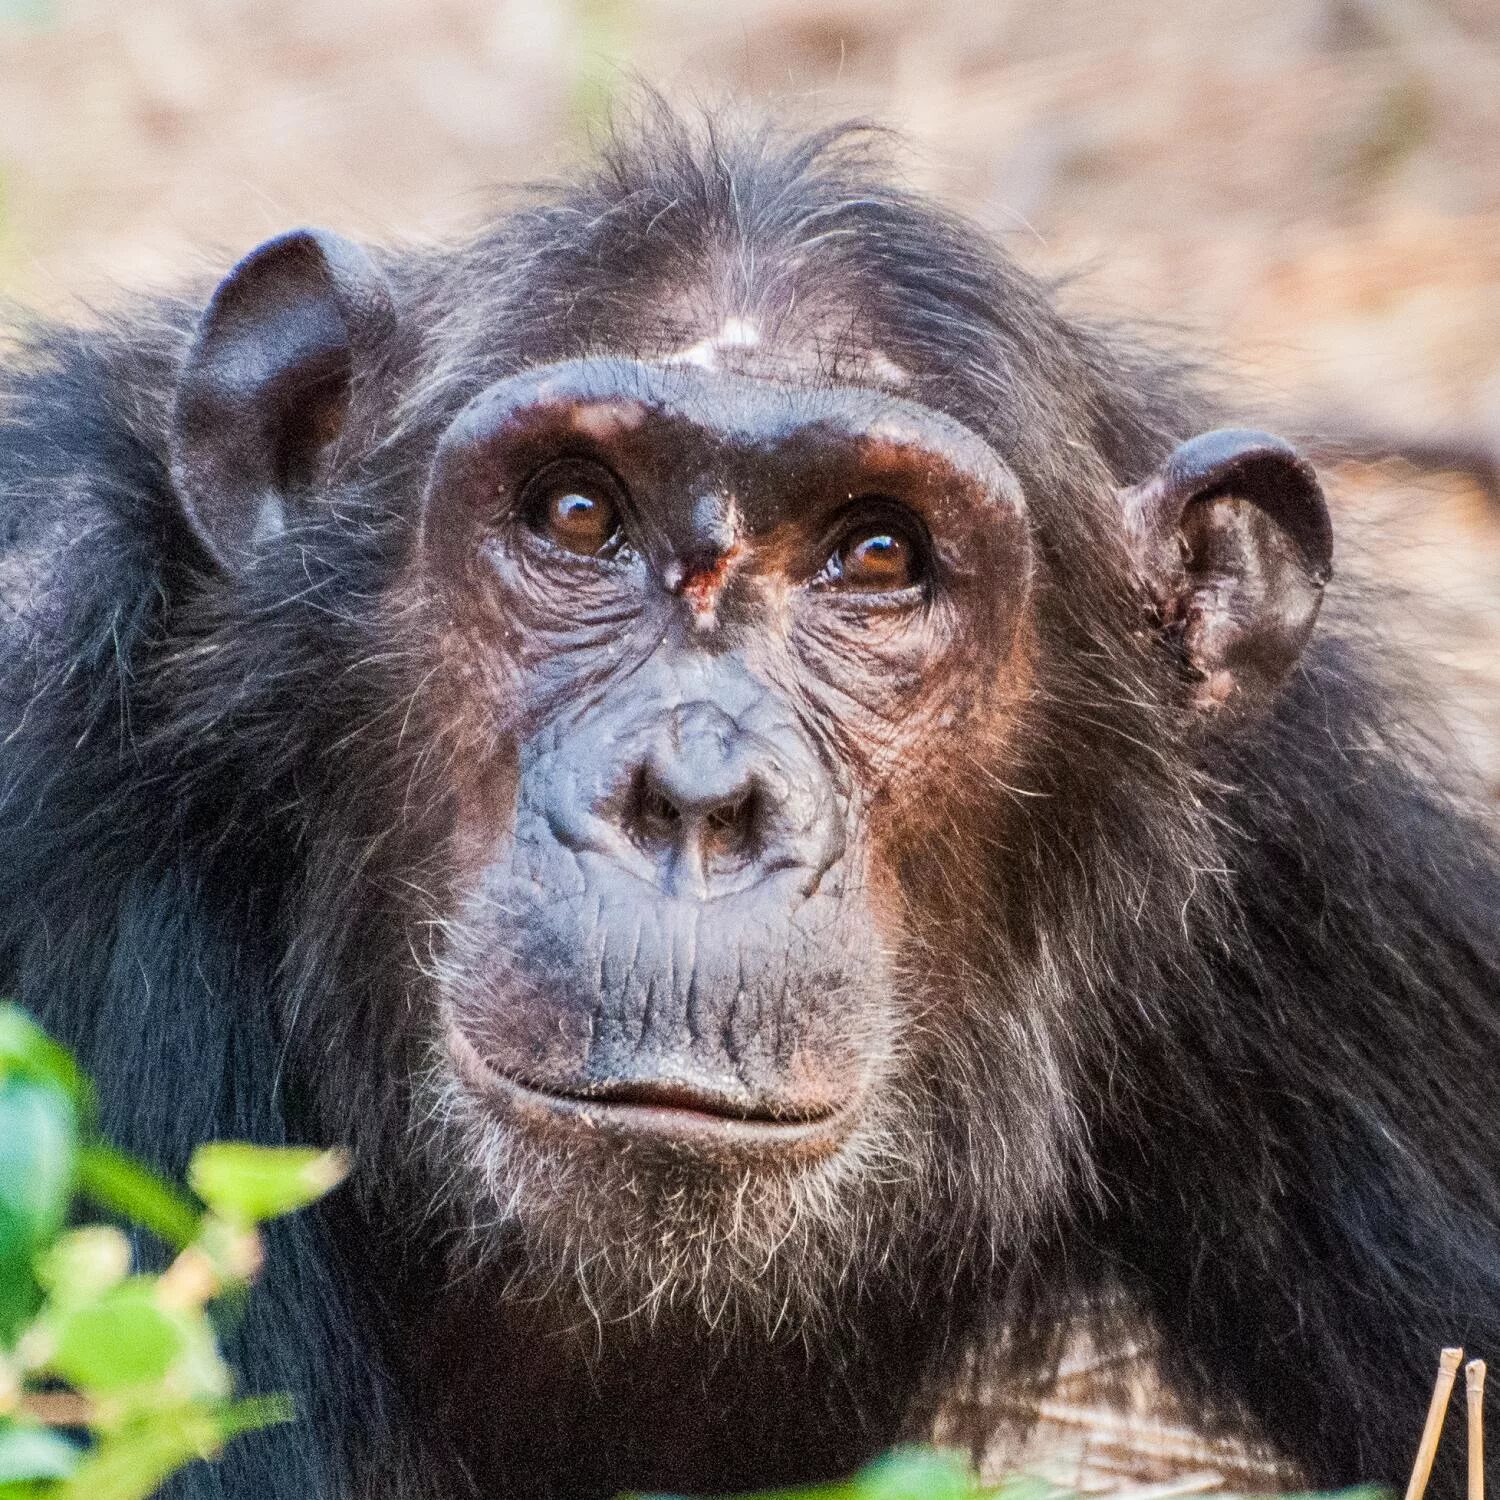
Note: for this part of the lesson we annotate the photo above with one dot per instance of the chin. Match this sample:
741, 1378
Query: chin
634, 1212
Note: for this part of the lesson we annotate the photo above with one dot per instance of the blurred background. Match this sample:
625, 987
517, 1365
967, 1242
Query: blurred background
1306, 190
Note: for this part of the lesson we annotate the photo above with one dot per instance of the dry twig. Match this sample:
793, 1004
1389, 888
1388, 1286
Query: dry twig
1474, 1383
1421, 1470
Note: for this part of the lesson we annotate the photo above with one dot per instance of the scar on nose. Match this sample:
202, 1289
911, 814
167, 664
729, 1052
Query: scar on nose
701, 583
602, 420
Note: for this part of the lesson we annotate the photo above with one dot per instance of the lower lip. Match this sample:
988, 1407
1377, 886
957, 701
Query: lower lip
692, 1129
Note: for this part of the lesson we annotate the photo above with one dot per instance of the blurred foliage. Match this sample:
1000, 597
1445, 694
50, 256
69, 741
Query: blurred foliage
934, 1474
27, 12
111, 1381
914, 1474
1399, 125
603, 37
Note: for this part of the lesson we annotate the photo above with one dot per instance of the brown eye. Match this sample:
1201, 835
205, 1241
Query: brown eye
875, 559
575, 508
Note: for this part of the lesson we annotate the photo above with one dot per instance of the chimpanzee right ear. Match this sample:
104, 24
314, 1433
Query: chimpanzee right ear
1233, 544
264, 390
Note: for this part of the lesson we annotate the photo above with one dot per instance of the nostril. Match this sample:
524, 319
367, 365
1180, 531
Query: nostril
653, 813
731, 824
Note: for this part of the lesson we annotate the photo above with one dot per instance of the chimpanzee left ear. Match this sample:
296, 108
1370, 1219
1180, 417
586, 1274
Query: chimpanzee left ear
1234, 546
264, 390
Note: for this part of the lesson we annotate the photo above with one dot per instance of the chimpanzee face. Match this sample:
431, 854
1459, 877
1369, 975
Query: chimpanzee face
701, 630
709, 661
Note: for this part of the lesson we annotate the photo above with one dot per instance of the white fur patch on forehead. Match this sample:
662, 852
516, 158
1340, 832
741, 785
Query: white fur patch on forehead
738, 333
885, 369
740, 342
735, 333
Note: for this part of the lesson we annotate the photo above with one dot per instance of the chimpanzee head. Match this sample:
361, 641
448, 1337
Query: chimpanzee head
751, 624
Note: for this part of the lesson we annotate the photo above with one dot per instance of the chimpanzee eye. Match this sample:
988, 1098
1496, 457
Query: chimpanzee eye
575, 506
876, 557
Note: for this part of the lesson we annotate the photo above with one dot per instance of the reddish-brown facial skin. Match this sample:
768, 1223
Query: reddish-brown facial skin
704, 640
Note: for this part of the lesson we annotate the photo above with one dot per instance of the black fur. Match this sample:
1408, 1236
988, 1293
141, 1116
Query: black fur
1262, 971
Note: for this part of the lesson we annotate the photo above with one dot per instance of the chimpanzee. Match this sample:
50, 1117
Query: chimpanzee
781, 797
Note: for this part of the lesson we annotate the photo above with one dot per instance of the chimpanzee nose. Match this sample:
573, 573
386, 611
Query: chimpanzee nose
701, 800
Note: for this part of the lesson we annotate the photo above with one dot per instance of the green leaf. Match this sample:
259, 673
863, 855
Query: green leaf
915, 1474
28, 1052
37, 1152
30, 13
247, 1184
124, 1339
133, 1463
122, 1185
254, 1413
36, 1156
35, 1453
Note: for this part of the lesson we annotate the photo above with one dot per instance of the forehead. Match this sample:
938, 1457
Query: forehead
786, 314
779, 317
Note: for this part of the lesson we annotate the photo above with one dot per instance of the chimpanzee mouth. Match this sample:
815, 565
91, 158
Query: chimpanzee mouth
686, 1115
